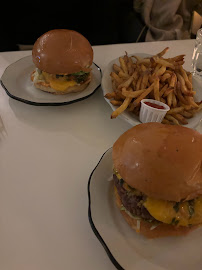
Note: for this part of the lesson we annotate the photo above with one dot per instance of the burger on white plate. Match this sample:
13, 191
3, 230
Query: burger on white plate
158, 179
63, 60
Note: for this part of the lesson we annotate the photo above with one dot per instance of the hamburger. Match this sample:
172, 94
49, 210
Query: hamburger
158, 179
63, 60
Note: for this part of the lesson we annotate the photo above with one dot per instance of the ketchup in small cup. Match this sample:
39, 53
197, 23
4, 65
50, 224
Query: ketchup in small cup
152, 111
154, 105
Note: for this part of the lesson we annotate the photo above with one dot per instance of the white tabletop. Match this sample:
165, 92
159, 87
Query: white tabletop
46, 159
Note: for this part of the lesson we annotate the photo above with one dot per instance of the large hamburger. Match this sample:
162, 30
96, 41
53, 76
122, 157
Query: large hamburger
158, 179
63, 60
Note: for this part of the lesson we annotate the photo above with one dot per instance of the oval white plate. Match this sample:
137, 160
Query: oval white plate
17, 84
131, 118
126, 249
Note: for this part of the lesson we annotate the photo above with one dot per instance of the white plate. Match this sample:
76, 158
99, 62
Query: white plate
131, 118
17, 84
126, 249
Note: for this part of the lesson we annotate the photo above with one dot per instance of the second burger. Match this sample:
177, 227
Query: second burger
63, 60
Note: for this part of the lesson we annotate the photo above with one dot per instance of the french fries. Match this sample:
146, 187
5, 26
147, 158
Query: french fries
157, 78
122, 108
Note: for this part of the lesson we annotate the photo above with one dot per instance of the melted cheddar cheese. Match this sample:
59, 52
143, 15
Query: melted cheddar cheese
166, 212
59, 84
181, 214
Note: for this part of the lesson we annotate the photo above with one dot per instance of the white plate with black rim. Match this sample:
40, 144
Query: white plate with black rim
125, 248
17, 84
130, 117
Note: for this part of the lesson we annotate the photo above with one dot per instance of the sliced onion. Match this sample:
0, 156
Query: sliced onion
153, 227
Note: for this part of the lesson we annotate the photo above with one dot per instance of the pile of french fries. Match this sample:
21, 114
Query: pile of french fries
157, 78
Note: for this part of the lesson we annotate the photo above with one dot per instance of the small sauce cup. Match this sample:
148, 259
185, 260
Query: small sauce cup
155, 113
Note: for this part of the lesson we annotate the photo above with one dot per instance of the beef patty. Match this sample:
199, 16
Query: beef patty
133, 203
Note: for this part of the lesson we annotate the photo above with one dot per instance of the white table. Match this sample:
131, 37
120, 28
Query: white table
45, 161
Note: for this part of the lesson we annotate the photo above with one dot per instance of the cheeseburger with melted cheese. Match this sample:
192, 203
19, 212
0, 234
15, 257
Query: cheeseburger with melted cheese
63, 60
158, 179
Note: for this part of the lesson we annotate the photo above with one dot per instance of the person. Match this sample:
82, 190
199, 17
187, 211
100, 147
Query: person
167, 20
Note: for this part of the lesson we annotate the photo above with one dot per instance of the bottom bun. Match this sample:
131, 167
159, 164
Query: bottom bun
42, 85
162, 230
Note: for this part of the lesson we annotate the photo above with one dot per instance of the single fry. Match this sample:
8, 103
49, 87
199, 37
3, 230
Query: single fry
116, 68
137, 58
116, 77
126, 58
123, 75
179, 63
110, 95
126, 83
170, 99
113, 85
143, 95
116, 102
143, 68
161, 71
167, 92
157, 68
119, 95
176, 110
180, 96
163, 90
184, 75
162, 62
138, 84
165, 77
144, 81
163, 100
190, 78
134, 84
187, 114
163, 52
192, 102
176, 58
187, 107
174, 101
132, 94
135, 75
166, 121
123, 65
184, 89
169, 71
130, 67
172, 119
156, 89
181, 119
122, 108
144, 61
173, 81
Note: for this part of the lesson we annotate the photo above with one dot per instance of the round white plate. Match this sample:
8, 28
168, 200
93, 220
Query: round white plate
131, 118
18, 85
126, 249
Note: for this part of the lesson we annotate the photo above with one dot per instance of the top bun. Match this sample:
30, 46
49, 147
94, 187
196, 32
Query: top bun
162, 161
62, 51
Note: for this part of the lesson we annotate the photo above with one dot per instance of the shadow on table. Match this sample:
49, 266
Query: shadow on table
81, 119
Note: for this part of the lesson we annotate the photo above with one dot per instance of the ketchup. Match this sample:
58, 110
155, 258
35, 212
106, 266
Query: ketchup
154, 105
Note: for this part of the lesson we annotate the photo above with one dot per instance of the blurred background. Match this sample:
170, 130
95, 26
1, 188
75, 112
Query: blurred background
101, 21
